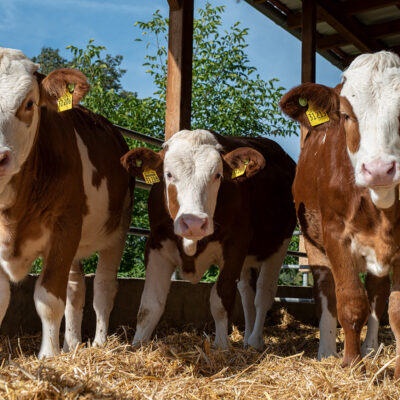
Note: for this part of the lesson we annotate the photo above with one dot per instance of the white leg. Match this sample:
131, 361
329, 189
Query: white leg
267, 284
74, 307
4, 294
159, 270
327, 329
220, 315
105, 287
371, 340
50, 309
247, 294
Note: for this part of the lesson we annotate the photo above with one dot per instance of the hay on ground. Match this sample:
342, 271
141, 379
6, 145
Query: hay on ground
183, 365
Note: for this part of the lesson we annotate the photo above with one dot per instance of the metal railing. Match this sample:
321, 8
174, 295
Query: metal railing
304, 269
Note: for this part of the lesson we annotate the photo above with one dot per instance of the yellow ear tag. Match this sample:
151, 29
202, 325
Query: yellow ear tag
150, 176
240, 171
64, 103
316, 117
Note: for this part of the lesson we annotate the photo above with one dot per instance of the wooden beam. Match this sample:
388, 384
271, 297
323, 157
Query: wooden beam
175, 4
349, 7
179, 75
349, 27
278, 4
375, 31
308, 41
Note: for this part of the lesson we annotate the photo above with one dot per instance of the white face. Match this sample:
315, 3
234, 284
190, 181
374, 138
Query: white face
19, 111
193, 171
372, 87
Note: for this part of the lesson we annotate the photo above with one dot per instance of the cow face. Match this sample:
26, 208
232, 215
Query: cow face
366, 109
192, 166
22, 92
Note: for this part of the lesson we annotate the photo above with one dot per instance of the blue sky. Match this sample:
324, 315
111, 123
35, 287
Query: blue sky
30, 25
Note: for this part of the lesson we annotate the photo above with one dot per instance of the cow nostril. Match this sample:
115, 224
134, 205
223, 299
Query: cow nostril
392, 169
365, 170
204, 225
4, 157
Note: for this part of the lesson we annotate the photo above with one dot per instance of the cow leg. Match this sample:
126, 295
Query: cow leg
378, 290
159, 270
267, 284
247, 294
325, 301
4, 294
105, 287
352, 300
394, 314
74, 307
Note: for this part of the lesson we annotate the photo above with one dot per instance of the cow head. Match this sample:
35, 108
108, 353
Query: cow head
191, 166
22, 92
366, 108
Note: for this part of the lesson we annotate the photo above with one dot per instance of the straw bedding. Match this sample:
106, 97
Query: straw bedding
183, 365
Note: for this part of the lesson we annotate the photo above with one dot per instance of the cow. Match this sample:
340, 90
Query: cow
219, 200
347, 199
63, 196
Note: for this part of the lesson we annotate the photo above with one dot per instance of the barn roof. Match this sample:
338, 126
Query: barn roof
345, 28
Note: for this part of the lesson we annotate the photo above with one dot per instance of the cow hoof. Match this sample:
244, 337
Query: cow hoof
70, 346
326, 354
47, 354
256, 343
221, 343
367, 350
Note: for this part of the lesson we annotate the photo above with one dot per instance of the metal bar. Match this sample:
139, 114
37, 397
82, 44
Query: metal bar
293, 300
140, 136
296, 253
142, 185
138, 231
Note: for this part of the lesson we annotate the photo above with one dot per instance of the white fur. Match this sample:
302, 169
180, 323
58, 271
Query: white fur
370, 343
50, 310
372, 86
221, 319
161, 264
193, 159
372, 264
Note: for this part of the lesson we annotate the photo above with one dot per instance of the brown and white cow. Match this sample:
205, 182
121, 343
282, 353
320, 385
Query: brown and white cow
200, 216
63, 195
347, 199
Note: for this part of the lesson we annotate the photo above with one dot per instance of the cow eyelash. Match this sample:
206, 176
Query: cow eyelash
346, 116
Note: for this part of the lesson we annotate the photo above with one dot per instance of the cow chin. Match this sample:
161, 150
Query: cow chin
383, 197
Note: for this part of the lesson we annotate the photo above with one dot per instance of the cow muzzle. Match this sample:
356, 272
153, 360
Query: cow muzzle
379, 173
193, 226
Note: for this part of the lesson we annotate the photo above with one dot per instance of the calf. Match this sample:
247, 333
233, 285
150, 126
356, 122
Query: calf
63, 196
220, 200
346, 194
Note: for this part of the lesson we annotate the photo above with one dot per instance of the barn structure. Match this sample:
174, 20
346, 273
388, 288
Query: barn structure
339, 30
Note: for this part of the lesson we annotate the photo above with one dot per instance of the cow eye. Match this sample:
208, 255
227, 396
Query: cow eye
169, 175
29, 105
218, 175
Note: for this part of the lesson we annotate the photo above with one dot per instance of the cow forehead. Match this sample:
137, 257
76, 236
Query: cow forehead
16, 78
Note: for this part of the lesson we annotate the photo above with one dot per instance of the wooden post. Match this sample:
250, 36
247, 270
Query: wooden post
179, 76
308, 48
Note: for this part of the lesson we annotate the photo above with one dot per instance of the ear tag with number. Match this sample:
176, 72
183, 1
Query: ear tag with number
239, 171
64, 103
316, 117
150, 176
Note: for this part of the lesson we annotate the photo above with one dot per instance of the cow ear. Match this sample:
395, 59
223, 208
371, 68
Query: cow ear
140, 159
242, 163
311, 96
60, 83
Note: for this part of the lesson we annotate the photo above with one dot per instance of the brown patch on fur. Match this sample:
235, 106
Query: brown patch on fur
350, 125
55, 85
25, 114
173, 204
142, 314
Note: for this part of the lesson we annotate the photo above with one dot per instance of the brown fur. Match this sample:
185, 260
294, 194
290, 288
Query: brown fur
333, 212
173, 204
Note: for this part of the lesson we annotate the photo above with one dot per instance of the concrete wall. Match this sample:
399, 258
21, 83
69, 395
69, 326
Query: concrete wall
187, 304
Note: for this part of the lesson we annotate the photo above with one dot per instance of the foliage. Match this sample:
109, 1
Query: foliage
228, 96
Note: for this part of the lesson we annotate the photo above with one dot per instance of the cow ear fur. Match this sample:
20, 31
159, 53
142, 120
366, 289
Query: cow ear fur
58, 82
142, 158
295, 103
239, 158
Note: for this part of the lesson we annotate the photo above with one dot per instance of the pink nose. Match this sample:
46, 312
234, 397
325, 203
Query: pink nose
379, 172
5, 158
191, 225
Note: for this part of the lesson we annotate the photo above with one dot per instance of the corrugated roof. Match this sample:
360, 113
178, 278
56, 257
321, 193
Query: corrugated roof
375, 23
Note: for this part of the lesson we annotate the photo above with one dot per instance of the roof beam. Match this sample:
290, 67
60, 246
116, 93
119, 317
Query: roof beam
348, 26
375, 31
349, 7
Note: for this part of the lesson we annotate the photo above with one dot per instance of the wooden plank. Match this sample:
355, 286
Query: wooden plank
179, 75
349, 7
376, 31
278, 4
175, 4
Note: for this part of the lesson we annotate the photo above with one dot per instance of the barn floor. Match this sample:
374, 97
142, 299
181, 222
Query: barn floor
184, 366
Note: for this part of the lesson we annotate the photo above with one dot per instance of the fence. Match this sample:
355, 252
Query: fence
305, 269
